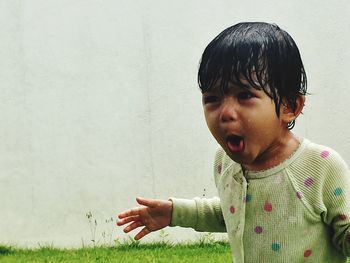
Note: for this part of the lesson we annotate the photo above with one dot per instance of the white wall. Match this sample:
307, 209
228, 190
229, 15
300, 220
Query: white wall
99, 104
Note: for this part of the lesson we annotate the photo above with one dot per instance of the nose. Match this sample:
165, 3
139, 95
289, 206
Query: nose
228, 111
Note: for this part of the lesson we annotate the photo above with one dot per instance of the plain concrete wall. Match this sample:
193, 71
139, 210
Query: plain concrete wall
99, 104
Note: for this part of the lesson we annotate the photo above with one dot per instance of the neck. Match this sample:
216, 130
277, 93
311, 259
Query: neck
278, 152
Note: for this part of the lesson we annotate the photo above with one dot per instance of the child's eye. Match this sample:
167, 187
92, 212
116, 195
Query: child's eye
245, 95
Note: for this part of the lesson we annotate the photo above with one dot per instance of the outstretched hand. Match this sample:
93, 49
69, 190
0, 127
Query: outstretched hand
153, 215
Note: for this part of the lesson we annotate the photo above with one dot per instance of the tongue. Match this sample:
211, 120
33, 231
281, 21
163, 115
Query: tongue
236, 147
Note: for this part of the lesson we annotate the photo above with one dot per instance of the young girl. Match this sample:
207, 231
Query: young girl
281, 198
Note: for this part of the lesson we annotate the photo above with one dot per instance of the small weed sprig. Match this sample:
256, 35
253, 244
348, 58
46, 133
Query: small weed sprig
93, 226
206, 238
163, 237
107, 233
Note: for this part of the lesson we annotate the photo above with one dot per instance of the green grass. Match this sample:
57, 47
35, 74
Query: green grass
132, 252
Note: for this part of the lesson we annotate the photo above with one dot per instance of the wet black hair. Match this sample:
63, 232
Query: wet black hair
263, 54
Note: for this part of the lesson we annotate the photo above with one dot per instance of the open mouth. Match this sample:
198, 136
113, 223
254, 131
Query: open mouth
235, 143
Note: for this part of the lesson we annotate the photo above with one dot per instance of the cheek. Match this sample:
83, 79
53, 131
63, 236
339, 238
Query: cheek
250, 123
213, 129
264, 130
258, 127
212, 125
209, 118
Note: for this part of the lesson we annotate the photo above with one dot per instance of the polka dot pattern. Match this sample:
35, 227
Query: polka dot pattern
307, 253
277, 209
268, 207
309, 182
298, 195
276, 246
338, 191
324, 154
279, 179
247, 198
219, 169
343, 217
258, 229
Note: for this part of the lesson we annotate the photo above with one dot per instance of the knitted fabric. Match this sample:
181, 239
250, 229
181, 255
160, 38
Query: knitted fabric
297, 211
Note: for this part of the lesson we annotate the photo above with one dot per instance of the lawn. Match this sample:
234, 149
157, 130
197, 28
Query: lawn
135, 252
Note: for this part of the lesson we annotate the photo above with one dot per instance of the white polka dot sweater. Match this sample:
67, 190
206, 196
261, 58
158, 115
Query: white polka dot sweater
297, 211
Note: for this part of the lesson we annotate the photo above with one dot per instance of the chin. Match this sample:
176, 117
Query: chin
238, 158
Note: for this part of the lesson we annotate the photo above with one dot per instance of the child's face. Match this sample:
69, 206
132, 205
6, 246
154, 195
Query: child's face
244, 122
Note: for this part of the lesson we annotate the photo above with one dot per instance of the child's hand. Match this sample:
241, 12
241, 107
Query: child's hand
154, 214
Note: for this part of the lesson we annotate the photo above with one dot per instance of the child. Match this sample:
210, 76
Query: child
281, 198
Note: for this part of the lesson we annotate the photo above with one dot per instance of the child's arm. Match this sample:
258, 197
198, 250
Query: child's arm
336, 199
153, 215
327, 191
201, 214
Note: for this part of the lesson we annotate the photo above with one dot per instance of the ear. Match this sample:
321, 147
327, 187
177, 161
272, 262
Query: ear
287, 114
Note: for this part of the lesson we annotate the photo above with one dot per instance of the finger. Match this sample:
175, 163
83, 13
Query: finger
142, 233
127, 220
146, 201
132, 226
130, 212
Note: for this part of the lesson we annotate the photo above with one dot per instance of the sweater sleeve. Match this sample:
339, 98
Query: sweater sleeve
201, 214
336, 200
